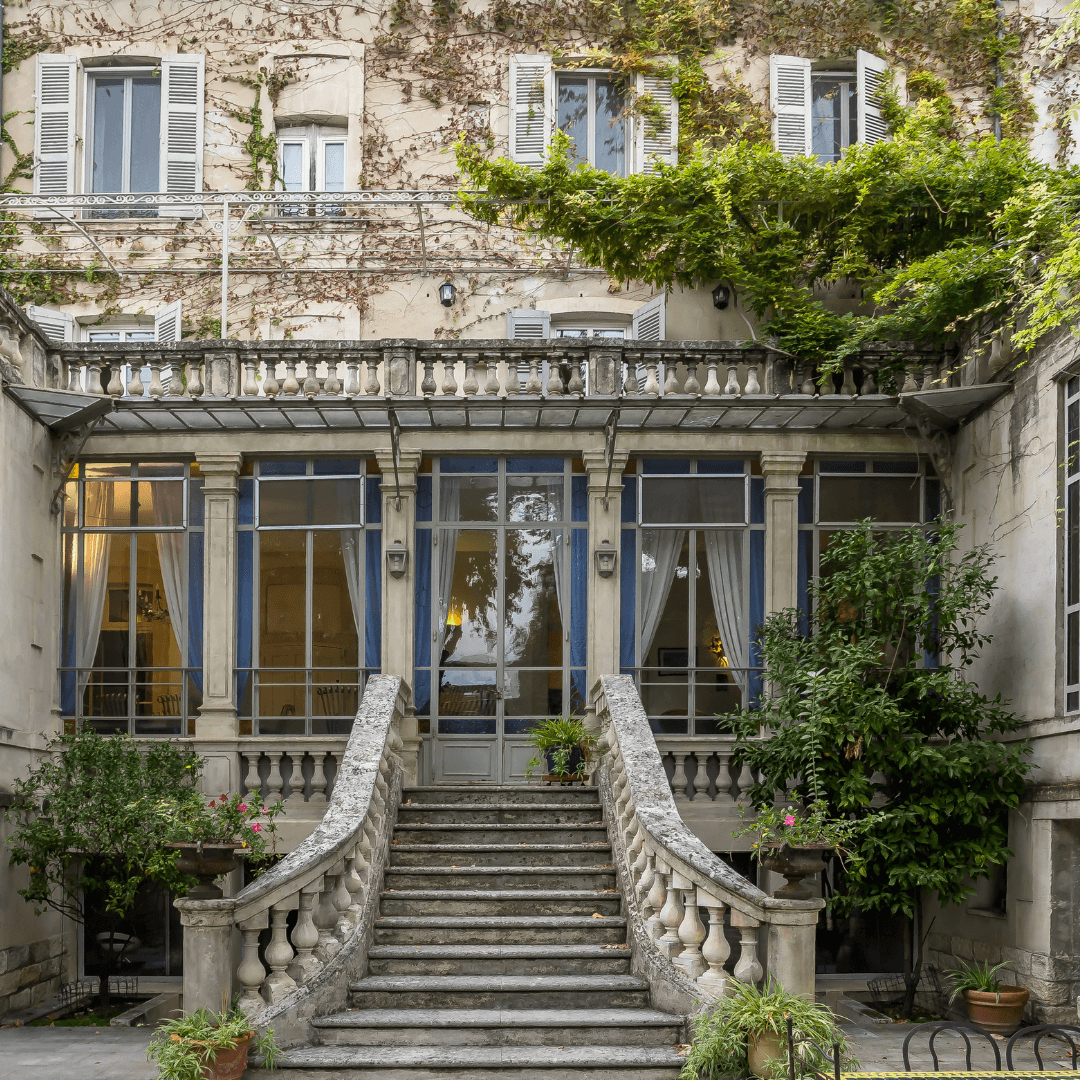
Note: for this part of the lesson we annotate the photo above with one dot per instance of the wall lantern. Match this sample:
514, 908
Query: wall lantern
397, 559
720, 296
446, 293
605, 559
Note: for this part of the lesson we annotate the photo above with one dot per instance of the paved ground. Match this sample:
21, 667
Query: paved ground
120, 1053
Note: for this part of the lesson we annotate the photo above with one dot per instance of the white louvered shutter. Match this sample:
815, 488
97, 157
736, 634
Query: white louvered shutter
58, 325
532, 109
789, 97
648, 323
167, 324
54, 125
657, 138
524, 323
181, 128
870, 74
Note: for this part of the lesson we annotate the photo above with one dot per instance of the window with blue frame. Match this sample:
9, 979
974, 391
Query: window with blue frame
131, 654
1071, 458
309, 605
501, 573
693, 557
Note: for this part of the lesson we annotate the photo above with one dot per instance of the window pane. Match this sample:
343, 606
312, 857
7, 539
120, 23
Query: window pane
610, 129
531, 693
292, 167
1072, 565
145, 137
468, 595
1073, 428
335, 502
888, 499
469, 498
159, 599
573, 95
282, 610
536, 590
534, 498
309, 502
692, 500
467, 702
161, 503
825, 116
107, 503
108, 151
333, 166
664, 621
336, 592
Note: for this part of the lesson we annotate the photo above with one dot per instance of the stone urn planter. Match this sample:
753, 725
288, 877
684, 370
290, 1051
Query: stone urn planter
795, 864
224, 1063
763, 1050
207, 862
999, 1012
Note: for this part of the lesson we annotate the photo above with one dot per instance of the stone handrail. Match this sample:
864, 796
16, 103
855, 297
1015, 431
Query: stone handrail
332, 879
667, 875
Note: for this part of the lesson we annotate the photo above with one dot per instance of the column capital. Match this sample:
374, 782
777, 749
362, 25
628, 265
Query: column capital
596, 461
219, 469
782, 462
408, 466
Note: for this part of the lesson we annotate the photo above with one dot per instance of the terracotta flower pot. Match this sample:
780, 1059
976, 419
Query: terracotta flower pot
206, 862
998, 1013
763, 1050
795, 863
228, 1064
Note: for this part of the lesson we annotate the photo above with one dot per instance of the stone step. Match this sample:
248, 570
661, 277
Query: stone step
495, 902
487, 833
500, 877
504, 930
499, 992
474, 793
499, 1027
498, 813
499, 855
541, 959
478, 1063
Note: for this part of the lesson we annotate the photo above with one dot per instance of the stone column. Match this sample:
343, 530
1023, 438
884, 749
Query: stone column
605, 531
398, 607
210, 953
790, 948
781, 470
217, 716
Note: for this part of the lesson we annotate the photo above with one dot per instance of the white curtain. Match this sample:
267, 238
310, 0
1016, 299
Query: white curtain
723, 552
168, 499
95, 579
449, 510
660, 550
350, 553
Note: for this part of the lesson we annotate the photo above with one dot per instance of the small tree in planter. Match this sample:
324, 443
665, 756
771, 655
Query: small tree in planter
873, 710
87, 822
564, 745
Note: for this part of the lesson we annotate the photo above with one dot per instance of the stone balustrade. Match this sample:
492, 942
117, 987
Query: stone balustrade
700, 768
668, 877
332, 880
296, 771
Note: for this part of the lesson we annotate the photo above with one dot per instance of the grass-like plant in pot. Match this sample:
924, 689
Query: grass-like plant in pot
563, 745
995, 1006
747, 1031
202, 1045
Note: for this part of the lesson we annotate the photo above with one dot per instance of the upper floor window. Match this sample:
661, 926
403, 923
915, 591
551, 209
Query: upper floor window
592, 114
1072, 544
821, 109
312, 158
125, 127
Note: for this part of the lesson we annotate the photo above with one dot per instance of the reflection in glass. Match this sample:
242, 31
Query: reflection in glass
610, 129
467, 701
468, 595
530, 693
574, 113
535, 590
469, 498
534, 498
108, 159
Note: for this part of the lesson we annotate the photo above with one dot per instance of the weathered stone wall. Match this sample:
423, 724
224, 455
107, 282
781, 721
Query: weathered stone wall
30, 974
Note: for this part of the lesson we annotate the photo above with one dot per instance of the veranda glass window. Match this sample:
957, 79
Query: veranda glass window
590, 110
693, 550
310, 595
1071, 454
131, 656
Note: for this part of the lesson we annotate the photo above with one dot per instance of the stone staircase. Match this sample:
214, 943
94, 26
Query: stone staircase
499, 951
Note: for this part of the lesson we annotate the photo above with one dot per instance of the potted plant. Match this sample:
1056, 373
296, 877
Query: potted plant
202, 1045
747, 1030
563, 744
211, 836
792, 841
994, 1006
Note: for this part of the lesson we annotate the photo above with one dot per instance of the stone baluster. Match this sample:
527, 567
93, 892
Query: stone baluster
296, 778
808, 386
352, 374
656, 899
290, 387
332, 384
326, 918
699, 786
371, 366
318, 779
116, 385
847, 387
354, 886
274, 781
305, 936
748, 968
692, 386
671, 915
176, 382
310, 385
342, 901
635, 851
652, 382
271, 387
678, 779
691, 931
645, 880
252, 783
575, 385
513, 374
471, 384
869, 385
335, 757
555, 383
712, 384
671, 379
910, 385
534, 385
449, 383
746, 782
630, 383
753, 386
929, 375
279, 955
362, 863
251, 972
93, 377
427, 383
732, 387
716, 950
195, 386
491, 373
251, 384
156, 389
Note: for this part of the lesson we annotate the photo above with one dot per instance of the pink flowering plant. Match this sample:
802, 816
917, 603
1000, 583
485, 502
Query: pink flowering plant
244, 820
801, 827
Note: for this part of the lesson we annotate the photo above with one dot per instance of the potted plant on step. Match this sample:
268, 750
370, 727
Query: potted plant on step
209, 1046
211, 836
563, 745
747, 1030
994, 1006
